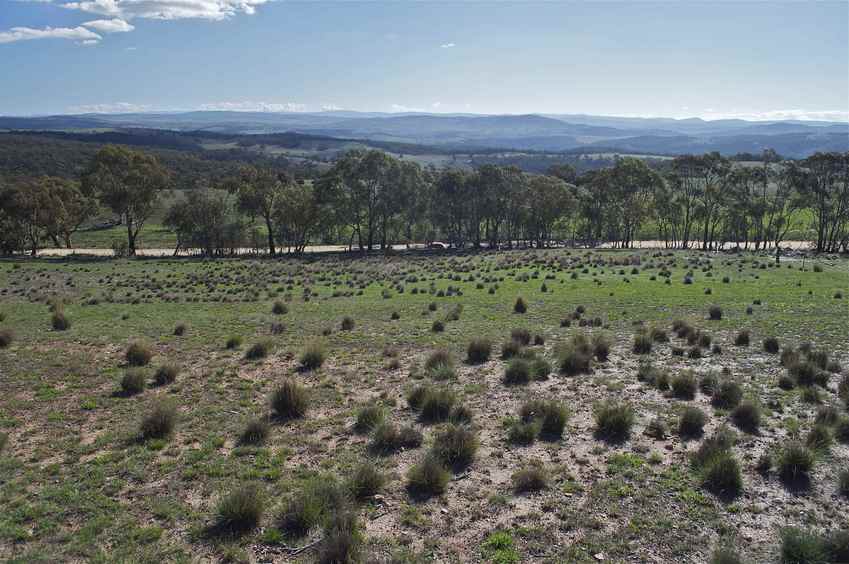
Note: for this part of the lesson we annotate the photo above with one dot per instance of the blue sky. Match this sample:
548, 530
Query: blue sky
676, 59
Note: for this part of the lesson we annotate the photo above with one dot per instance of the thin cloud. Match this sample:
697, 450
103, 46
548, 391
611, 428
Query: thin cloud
248, 106
78, 33
167, 9
116, 25
448, 45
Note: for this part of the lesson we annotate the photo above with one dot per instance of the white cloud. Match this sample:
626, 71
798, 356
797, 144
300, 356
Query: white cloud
167, 9
775, 115
330, 108
110, 26
247, 106
406, 109
28, 33
436, 105
448, 45
110, 108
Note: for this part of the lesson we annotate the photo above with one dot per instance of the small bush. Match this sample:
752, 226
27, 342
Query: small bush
436, 405
180, 330
601, 347
575, 356
437, 326
368, 418
522, 432
709, 383
715, 313
233, 342
517, 372
771, 345
365, 481
138, 354
313, 355
743, 338
794, 462
479, 351
819, 439
722, 476
684, 385
159, 422
347, 323
133, 382
255, 432
801, 547
691, 422
60, 321
241, 510
166, 374
6, 338
520, 306
290, 400
747, 417
521, 336
613, 421
427, 478
510, 349
642, 343
540, 368
259, 350
455, 446
727, 395
532, 478
279, 308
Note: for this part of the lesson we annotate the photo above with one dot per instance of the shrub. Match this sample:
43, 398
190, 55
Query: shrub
365, 481
522, 432
279, 308
819, 438
290, 400
6, 338
613, 421
437, 326
747, 416
479, 351
517, 372
532, 478
415, 397
427, 478
642, 343
259, 350
722, 477
684, 385
342, 539
691, 422
727, 395
455, 446
794, 463
368, 418
540, 368
166, 374
240, 510
771, 345
708, 383
59, 321
520, 306
521, 336
347, 323
436, 405
180, 330
133, 382
743, 338
510, 349
575, 356
801, 547
656, 429
138, 354
313, 355
233, 342
715, 313
255, 432
159, 422
601, 347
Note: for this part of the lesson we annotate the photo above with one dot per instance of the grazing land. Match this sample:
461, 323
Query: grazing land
546, 405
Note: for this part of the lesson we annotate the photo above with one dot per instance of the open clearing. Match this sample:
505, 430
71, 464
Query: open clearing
78, 484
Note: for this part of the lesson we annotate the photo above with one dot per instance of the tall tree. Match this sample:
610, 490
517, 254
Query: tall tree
258, 191
129, 183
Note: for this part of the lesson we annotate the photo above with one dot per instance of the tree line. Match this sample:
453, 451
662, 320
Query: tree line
370, 200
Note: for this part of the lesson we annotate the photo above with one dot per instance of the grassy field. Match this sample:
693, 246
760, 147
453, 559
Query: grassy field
607, 461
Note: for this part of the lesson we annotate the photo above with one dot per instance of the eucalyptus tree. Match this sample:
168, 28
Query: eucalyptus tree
258, 192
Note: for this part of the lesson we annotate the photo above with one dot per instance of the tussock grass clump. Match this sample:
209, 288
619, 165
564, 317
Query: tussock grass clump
427, 478
521, 336
290, 400
642, 343
455, 446
313, 355
60, 321
601, 347
438, 326
802, 547
415, 397
368, 418
166, 374
747, 417
510, 349
347, 323
843, 483
517, 372
460, 415
547, 417
715, 313
709, 383
771, 345
180, 329
658, 335
575, 356
6, 338
279, 308
520, 306
160, 421
240, 510
725, 555
841, 430
743, 338
436, 405
478, 351
613, 421
794, 463
313, 505
819, 439
259, 350
255, 432
727, 395
531, 478
386, 438
233, 342
716, 466
138, 354
133, 382
691, 422
437, 360
540, 368
365, 481
342, 539
684, 385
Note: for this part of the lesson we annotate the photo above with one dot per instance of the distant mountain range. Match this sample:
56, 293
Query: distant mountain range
464, 132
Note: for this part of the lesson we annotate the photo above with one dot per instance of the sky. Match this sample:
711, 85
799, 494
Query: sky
760, 60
